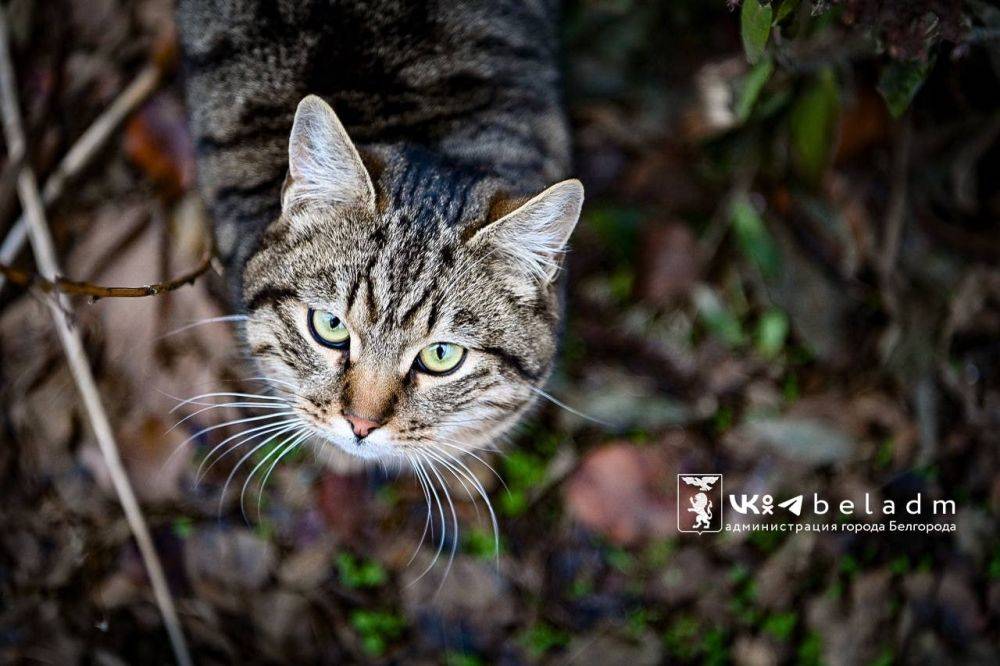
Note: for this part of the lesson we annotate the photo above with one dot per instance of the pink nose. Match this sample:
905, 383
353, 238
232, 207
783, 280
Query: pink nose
360, 425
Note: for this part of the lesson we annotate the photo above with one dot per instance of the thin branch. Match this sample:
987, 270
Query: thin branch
96, 291
81, 152
895, 217
42, 246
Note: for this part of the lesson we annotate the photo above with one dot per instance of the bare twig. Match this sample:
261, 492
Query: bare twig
96, 291
963, 169
895, 217
80, 154
41, 243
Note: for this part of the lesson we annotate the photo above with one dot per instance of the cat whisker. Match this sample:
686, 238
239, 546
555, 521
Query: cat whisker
271, 429
427, 501
451, 443
482, 493
239, 463
569, 409
460, 479
329, 453
234, 405
242, 380
280, 387
430, 434
278, 446
272, 379
177, 450
202, 322
277, 385
308, 432
454, 521
225, 394
284, 447
437, 500
234, 422
478, 419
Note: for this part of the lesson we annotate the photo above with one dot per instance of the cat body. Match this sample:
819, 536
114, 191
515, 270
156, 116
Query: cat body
397, 255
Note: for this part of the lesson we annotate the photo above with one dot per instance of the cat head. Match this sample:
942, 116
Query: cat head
409, 304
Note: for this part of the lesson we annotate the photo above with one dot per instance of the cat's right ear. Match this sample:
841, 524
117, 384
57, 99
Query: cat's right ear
323, 164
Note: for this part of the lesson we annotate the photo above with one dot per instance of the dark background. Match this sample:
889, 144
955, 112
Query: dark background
786, 272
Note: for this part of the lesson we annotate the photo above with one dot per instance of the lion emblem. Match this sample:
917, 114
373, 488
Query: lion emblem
701, 506
705, 487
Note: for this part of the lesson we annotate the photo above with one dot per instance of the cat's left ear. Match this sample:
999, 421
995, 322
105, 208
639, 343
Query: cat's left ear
323, 164
533, 237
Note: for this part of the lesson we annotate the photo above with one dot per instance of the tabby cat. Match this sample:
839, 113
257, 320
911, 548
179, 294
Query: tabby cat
396, 259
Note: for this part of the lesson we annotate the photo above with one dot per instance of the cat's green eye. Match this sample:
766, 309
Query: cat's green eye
440, 358
328, 329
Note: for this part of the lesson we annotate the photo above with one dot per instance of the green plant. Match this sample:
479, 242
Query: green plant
772, 331
542, 638
377, 629
780, 625
183, 527
480, 543
994, 569
523, 471
620, 559
461, 659
358, 573
688, 640
810, 652
681, 637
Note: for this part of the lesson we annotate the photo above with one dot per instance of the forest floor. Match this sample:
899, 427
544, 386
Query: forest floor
719, 321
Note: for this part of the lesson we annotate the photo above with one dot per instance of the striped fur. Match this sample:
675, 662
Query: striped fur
438, 233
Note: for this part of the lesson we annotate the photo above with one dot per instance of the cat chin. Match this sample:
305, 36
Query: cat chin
370, 449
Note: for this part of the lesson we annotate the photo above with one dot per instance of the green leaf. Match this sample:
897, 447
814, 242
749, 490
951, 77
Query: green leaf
754, 239
814, 125
755, 28
183, 527
752, 85
811, 650
543, 637
360, 573
481, 544
780, 625
461, 659
717, 318
899, 83
784, 9
376, 629
771, 333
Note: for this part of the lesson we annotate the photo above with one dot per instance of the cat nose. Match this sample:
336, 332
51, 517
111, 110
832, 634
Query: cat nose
360, 425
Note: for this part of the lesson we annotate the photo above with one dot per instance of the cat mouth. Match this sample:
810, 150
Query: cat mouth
366, 448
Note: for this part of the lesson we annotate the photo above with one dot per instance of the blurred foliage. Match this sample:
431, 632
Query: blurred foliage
377, 629
360, 573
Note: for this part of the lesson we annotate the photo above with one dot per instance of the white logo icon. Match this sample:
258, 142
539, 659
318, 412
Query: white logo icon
699, 503
794, 505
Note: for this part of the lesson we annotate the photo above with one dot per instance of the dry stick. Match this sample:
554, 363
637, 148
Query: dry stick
895, 217
95, 291
79, 155
41, 243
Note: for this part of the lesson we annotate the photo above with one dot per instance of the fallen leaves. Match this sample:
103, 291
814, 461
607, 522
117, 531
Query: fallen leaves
623, 492
157, 141
224, 562
668, 263
806, 441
